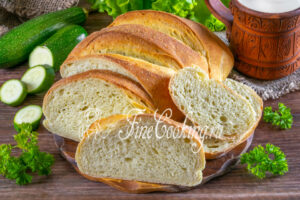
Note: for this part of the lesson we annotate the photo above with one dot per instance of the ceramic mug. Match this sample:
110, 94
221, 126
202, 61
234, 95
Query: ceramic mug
266, 45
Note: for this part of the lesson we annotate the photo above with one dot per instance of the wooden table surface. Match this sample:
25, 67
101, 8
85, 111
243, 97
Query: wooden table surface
65, 183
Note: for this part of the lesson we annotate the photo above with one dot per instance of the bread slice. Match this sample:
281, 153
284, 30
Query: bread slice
216, 110
138, 148
153, 78
73, 103
216, 147
192, 34
140, 42
248, 93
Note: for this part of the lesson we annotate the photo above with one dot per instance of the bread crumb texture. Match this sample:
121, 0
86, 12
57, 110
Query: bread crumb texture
113, 153
71, 108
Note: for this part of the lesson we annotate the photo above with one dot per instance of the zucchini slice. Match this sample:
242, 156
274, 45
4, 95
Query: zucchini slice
38, 79
56, 49
31, 114
41, 55
13, 92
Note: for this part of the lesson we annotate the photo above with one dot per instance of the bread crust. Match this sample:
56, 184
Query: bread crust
154, 79
104, 123
218, 55
137, 187
220, 58
129, 86
166, 50
218, 154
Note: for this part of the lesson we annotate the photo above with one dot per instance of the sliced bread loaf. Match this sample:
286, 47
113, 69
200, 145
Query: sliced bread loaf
141, 42
73, 103
153, 78
138, 148
216, 110
215, 147
192, 34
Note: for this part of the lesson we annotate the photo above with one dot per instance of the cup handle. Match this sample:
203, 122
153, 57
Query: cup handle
221, 12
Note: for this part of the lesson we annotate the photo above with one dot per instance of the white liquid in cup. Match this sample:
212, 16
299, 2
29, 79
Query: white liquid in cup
271, 6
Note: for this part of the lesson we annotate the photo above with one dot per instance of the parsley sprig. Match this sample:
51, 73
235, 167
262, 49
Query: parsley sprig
282, 118
30, 160
259, 161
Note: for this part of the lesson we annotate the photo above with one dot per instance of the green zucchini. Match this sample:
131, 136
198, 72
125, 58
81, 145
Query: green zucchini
13, 92
55, 50
31, 114
17, 44
38, 79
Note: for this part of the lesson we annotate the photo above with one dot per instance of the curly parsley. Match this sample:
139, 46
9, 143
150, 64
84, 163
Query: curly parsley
282, 118
259, 161
30, 160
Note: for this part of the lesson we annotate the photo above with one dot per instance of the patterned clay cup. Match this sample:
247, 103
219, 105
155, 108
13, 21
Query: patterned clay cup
266, 45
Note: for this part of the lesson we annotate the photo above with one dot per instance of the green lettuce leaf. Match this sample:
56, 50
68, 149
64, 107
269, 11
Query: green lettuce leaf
201, 14
115, 8
214, 24
195, 10
182, 8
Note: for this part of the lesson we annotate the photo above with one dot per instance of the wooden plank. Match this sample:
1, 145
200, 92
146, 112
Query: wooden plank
65, 183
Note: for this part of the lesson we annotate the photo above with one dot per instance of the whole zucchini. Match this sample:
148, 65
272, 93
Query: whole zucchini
16, 45
55, 50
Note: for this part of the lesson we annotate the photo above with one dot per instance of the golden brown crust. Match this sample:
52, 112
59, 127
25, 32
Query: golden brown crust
120, 81
201, 39
220, 57
136, 187
149, 44
154, 79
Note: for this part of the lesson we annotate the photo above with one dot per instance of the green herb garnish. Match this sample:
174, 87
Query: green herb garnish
30, 160
261, 160
282, 118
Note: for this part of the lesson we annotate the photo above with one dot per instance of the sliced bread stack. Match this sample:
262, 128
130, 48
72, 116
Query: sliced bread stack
154, 45
147, 62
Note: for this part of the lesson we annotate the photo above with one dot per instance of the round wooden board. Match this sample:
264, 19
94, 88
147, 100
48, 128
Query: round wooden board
213, 168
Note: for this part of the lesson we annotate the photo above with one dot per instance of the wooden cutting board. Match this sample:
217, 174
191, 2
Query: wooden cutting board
213, 168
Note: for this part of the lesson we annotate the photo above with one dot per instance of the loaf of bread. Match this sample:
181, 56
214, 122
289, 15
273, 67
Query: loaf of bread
141, 42
138, 148
216, 110
192, 34
153, 78
216, 147
72, 104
